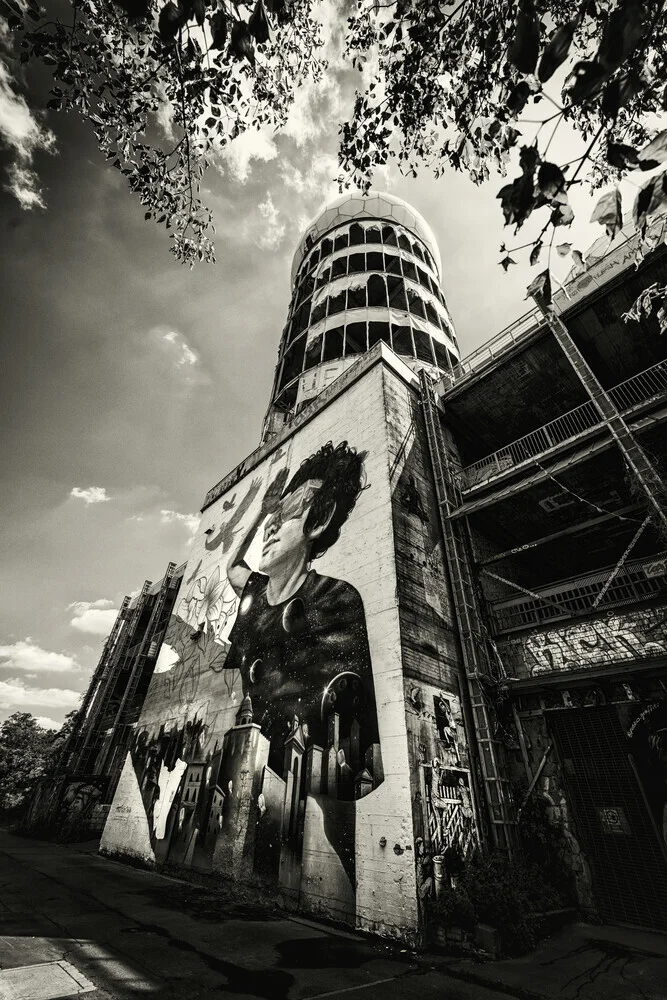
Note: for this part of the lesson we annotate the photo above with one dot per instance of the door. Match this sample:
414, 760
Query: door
616, 831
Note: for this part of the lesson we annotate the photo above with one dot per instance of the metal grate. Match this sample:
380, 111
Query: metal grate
616, 831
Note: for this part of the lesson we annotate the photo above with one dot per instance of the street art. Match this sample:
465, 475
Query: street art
637, 635
265, 671
646, 729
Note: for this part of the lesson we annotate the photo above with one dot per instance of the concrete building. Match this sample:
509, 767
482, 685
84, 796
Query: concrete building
437, 587
77, 799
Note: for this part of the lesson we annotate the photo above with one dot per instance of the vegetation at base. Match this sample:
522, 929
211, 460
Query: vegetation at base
28, 752
510, 895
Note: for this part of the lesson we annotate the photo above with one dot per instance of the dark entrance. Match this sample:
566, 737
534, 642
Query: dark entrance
616, 830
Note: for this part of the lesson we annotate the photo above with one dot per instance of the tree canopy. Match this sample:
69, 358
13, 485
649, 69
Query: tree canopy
26, 753
452, 84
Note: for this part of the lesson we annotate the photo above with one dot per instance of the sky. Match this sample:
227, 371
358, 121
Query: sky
133, 384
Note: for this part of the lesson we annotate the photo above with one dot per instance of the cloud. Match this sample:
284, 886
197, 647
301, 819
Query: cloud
186, 356
254, 144
46, 723
92, 494
26, 655
15, 695
272, 231
93, 617
189, 521
23, 136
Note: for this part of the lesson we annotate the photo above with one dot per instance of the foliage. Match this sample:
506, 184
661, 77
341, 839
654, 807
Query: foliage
25, 749
209, 70
508, 894
450, 84
455, 80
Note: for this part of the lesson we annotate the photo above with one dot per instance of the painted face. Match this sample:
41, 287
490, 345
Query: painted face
284, 532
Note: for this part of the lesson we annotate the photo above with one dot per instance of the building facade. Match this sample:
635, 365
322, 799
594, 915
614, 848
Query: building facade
435, 589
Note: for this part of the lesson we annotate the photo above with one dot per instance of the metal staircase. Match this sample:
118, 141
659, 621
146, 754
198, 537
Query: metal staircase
127, 701
637, 461
477, 660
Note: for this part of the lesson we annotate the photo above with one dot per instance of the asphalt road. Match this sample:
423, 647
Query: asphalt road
135, 934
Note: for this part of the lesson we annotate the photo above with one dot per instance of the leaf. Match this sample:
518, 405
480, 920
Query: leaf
135, 9
535, 253
649, 199
506, 261
259, 23
584, 82
169, 22
518, 98
621, 34
608, 212
621, 156
241, 43
525, 47
540, 288
550, 180
219, 30
619, 92
556, 50
578, 259
563, 214
654, 153
563, 249
199, 10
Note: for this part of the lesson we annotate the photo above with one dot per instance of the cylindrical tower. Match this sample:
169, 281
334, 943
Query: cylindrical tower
367, 269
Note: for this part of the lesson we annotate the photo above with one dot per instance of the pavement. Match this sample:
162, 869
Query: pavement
116, 932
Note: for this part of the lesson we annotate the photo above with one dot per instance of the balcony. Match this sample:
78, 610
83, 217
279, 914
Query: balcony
639, 580
639, 389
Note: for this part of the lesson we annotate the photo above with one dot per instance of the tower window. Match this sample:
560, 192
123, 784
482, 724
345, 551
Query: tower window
417, 250
324, 277
373, 235
327, 248
397, 299
336, 303
356, 297
313, 352
355, 338
409, 270
340, 243
374, 261
392, 263
431, 314
357, 263
356, 235
423, 278
423, 346
377, 290
319, 312
404, 242
339, 267
402, 338
441, 356
389, 236
333, 344
416, 304
378, 331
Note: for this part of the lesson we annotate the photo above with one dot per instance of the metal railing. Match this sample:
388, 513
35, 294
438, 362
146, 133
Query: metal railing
567, 599
522, 326
638, 389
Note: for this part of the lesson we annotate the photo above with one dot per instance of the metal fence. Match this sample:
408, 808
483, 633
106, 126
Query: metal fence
638, 389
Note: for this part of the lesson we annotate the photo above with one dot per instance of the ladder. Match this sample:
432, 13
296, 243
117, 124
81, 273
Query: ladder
636, 458
127, 701
473, 637
110, 675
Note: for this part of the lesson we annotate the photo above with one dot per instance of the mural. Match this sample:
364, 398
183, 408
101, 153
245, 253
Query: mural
260, 729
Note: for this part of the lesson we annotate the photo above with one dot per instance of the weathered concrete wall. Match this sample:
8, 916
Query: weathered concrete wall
441, 785
330, 810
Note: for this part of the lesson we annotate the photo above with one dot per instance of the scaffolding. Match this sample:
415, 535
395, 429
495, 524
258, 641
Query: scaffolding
477, 659
148, 649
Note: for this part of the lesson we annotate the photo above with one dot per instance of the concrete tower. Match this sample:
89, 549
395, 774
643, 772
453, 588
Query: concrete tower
366, 269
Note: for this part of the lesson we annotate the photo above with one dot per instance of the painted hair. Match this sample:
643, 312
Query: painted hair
341, 470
